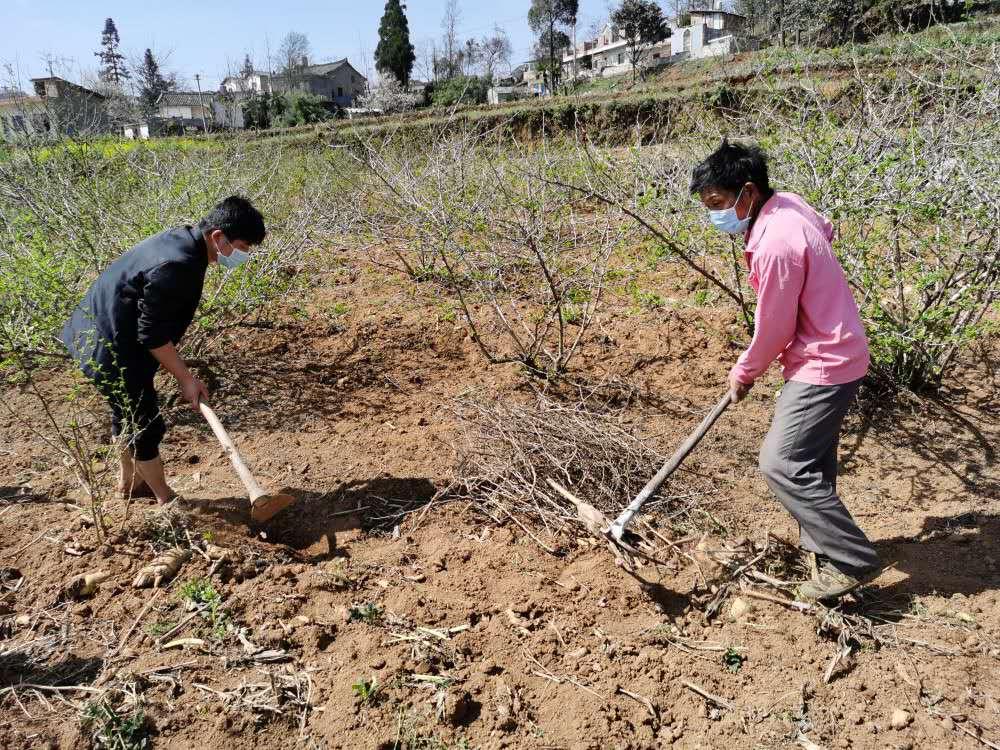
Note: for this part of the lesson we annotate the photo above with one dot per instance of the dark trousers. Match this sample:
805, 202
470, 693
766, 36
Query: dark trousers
135, 411
799, 463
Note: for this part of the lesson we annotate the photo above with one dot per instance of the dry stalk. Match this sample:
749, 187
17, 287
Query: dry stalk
511, 450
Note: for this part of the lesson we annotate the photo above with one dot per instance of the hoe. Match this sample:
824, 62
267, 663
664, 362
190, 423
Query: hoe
263, 506
616, 532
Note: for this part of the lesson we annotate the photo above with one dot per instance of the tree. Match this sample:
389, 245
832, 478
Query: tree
257, 111
394, 54
247, 70
550, 67
460, 90
389, 97
643, 25
469, 57
152, 84
113, 67
548, 18
450, 64
300, 108
293, 56
494, 53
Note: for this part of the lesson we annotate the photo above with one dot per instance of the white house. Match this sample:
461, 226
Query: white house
57, 108
193, 109
337, 82
709, 33
524, 82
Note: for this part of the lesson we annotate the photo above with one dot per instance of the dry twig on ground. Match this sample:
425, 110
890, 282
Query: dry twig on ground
511, 450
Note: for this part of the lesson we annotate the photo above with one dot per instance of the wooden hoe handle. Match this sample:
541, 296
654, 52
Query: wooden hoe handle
253, 489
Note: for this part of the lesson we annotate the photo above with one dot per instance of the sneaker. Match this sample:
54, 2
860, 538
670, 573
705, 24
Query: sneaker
829, 582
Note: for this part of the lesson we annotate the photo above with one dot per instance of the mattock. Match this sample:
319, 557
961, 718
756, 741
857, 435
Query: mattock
619, 537
263, 506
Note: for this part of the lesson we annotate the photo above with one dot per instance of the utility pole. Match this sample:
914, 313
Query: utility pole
204, 123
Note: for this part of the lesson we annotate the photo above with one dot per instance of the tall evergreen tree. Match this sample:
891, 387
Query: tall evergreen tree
247, 70
152, 84
113, 68
394, 54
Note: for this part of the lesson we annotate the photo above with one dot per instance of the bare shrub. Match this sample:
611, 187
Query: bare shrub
510, 450
524, 263
906, 166
68, 209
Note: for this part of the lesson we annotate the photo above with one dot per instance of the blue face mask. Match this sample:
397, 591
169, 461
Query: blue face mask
726, 220
236, 257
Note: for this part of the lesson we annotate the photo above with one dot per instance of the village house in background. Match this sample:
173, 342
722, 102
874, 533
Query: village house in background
179, 112
338, 83
524, 82
709, 33
706, 33
56, 108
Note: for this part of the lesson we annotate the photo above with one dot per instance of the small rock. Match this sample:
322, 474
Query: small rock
900, 719
739, 608
22, 621
948, 724
378, 664
578, 653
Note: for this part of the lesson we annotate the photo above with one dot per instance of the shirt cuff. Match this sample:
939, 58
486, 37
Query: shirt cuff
740, 374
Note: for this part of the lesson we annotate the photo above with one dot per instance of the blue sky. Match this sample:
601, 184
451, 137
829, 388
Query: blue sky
208, 37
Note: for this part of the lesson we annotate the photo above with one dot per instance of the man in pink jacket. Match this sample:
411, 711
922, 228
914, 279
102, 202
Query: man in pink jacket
807, 319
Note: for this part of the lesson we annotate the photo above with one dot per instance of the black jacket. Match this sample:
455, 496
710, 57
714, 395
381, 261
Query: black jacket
142, 301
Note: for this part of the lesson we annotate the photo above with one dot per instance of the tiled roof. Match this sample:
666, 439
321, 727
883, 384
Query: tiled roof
184, 98
325, 68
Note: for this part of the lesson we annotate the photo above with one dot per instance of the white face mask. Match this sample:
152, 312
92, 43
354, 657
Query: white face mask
236, 257
726, 219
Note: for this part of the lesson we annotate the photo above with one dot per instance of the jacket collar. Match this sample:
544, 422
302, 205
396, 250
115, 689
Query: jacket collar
199, 247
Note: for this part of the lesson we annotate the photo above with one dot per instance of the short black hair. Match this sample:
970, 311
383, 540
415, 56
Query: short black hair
730, 167
237, 218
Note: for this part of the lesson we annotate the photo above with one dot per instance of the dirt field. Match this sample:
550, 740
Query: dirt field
456, 632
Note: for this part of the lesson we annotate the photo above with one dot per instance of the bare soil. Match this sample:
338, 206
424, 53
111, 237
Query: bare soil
518, 647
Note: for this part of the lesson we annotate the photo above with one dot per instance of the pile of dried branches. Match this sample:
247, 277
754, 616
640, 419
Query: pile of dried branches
510, 450
283, 692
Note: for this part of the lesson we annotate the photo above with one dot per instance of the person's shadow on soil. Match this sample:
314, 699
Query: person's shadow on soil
311, 524
953, 555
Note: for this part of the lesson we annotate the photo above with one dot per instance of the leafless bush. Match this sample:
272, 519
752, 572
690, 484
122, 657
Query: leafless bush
906, 164
510, 450
903, 160
524, 265
68, 210
648, 186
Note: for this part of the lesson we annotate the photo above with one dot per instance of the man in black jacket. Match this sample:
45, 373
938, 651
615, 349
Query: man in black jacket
133, 317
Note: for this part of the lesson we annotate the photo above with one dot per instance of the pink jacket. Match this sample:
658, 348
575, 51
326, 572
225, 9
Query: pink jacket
806, 315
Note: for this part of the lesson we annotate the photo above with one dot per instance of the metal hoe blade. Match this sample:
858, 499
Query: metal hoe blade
617, 530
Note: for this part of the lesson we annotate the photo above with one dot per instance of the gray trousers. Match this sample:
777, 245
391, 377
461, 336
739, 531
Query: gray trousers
799, 463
